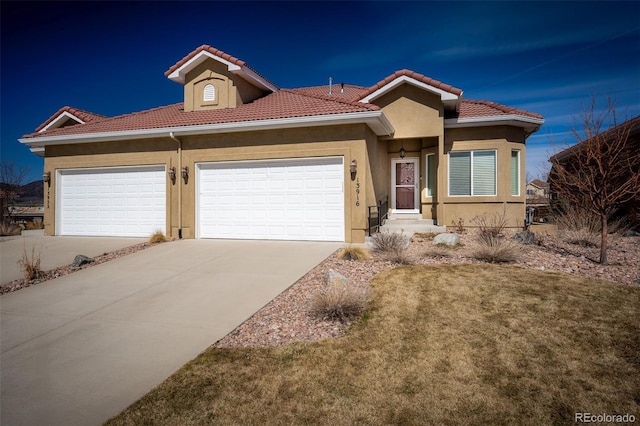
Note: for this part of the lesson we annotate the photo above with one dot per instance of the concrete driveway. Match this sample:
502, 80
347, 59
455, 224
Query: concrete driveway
81, 348
54, 251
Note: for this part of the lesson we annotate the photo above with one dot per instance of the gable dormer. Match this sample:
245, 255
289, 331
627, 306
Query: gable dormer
213, 79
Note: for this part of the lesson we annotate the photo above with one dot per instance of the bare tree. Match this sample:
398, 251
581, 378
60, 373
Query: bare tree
11, 179
602, 171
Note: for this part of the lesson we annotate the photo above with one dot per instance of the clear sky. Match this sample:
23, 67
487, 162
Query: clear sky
110, 57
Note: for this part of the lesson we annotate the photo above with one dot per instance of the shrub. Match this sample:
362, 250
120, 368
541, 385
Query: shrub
7, 229
338, 301
582, 237
354, 253
389, 242
491, 225
458, 226
30, 265
35, 224
157, 237
570, 217
495, 249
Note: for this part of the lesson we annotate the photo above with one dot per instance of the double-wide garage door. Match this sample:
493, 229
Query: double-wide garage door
120, 202
297, 199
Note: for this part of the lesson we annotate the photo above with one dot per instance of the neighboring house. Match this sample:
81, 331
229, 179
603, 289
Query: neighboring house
538, 200
243, 158
630, 209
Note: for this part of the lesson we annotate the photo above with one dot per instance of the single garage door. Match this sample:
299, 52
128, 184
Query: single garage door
116, 202
297, 199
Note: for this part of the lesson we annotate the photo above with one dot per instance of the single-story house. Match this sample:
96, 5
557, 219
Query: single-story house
240, 157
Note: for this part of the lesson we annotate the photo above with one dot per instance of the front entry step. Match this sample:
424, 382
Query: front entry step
411, 224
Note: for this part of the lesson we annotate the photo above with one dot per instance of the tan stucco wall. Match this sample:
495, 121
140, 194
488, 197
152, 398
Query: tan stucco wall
413, 112
503, 139
231, 89
112, 154
349, 142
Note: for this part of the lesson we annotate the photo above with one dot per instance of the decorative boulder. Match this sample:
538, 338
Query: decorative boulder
446, 239
80, 260
332, 277
525, 237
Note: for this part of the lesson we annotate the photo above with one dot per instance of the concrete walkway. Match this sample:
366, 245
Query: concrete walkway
54, 251
79, 349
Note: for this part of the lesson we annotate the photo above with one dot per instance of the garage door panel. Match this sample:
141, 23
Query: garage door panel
112, 202
282, 199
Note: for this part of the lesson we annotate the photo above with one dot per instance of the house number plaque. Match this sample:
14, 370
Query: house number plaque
358, 192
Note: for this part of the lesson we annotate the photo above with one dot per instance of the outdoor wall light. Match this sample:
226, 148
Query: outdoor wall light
172, 175
402, 152
46, 177
185, 174
353, 169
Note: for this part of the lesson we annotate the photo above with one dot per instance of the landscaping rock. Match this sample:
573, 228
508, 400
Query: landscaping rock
446, 239
335, 278
525, 237
631, 233
80, 260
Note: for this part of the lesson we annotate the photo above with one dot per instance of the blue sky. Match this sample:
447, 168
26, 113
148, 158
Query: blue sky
110, 57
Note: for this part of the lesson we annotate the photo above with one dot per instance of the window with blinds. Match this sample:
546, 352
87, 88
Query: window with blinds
515, 172
472, 173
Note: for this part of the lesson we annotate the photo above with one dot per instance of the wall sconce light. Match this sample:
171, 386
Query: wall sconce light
185, 174
172, 175
353, 169
46, 177
402, 152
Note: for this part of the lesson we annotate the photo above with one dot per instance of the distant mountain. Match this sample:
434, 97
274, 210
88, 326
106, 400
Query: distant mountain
31, 193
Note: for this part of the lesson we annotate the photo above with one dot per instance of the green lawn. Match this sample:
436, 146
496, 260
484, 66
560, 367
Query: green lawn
471, 344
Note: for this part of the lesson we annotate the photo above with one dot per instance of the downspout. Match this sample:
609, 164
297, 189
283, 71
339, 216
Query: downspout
179, 171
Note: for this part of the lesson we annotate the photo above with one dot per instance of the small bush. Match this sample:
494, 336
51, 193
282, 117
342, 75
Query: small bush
35, 224
458, 226
582, 237
30, 265
389, 242
157, 237
495, 249
354, 253
7, 229
570, 217
400, 257
338, 301
491, 225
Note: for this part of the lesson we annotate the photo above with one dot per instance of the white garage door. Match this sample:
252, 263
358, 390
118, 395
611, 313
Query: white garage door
117, 202
300, 199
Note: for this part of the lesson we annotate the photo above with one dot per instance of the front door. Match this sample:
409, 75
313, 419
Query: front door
405, 189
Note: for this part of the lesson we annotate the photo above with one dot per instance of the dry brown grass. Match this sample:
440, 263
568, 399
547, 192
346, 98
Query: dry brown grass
338, 301
30, 265
354, 253
8, 229
157, 237
445, 345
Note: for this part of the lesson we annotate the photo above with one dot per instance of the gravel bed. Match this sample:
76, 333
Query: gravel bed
286, 320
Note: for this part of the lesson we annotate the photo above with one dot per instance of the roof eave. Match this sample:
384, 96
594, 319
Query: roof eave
376, 120
531, 124
449, 99
179, 74
53, 124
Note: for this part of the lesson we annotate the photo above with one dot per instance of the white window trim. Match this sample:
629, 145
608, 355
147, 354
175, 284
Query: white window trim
213, 92
495, 165
426, 175
517, 151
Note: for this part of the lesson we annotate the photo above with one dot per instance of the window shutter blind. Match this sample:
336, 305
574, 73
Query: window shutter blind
484, 173
459, 173
515, 172
431, 175
209, 93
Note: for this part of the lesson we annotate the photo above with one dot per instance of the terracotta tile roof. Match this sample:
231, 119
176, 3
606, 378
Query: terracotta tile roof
408, 73
282, 104
349, 93
470, 108
85, 116
217, 52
